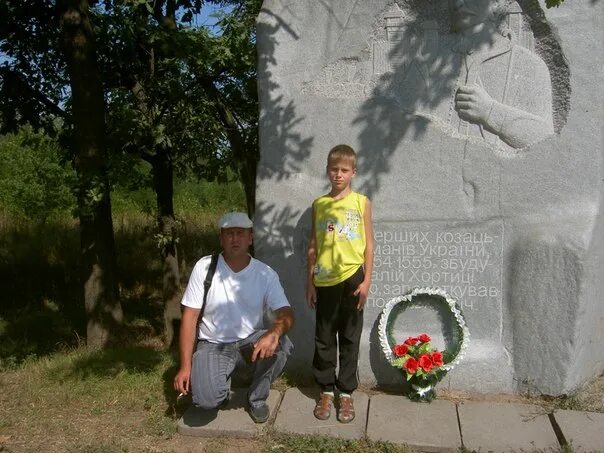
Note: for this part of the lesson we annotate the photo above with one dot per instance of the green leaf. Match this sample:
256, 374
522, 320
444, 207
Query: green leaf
424, 348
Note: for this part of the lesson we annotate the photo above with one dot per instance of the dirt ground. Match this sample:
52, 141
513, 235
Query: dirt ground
176, 444
184, 444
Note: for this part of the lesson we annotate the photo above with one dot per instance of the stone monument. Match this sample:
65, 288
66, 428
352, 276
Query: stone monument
478, 129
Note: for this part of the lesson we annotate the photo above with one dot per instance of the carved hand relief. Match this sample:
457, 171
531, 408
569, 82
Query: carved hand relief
469, 67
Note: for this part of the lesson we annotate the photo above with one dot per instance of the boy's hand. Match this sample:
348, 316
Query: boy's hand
311, 295
362, 291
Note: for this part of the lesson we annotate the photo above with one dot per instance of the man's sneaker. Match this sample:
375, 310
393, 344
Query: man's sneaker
323, 408
345, 409
260, 414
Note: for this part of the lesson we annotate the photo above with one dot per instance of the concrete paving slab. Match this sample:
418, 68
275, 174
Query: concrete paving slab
232, 421
489, 426
296, 416
425, 426
584, 431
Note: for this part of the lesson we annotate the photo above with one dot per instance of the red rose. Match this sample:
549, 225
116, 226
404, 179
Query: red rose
424, 338
400, 350
411, 365
425, 362
437, 358
411, 341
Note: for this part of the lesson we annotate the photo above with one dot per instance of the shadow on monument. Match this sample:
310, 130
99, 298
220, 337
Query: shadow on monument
387, 377
294, 282
278, 117
278, 131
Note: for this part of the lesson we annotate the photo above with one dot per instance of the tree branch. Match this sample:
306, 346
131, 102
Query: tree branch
13, 77
227, 118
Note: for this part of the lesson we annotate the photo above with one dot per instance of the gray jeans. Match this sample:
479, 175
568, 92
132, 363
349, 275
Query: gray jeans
214, 363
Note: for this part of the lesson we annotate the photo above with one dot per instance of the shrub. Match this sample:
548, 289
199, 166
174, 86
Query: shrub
35, 180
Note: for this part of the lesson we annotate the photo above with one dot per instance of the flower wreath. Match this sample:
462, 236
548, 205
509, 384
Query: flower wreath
451, 357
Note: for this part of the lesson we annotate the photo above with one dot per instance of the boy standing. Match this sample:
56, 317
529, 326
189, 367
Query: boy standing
340, 261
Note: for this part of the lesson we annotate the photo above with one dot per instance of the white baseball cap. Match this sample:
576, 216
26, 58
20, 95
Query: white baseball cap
235, 220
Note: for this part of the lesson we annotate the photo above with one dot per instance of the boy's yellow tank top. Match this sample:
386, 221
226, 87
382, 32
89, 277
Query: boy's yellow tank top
340, 238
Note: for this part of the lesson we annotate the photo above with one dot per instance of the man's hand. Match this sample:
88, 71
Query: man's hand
473, 104
182, 381
266, 346
362, 291
311, 295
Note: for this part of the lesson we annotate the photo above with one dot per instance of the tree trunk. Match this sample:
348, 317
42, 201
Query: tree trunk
98, 259
249, 178
163, 181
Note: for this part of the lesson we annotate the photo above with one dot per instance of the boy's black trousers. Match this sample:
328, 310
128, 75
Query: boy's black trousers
338, 323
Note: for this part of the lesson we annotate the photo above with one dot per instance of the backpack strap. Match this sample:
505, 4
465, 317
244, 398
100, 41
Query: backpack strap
206, 287
208, 280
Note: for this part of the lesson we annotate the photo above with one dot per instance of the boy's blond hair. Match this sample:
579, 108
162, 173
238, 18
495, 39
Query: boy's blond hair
342, 152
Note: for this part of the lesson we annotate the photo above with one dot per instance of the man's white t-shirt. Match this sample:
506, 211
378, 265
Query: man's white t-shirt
236, 300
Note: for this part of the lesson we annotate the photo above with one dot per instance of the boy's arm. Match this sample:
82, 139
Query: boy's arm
311, 255
363, 289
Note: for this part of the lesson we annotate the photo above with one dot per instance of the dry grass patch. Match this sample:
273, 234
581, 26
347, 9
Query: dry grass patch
65, 402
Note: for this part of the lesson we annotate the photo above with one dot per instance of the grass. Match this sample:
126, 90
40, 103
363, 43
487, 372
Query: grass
56, 402
319, 444
590, 397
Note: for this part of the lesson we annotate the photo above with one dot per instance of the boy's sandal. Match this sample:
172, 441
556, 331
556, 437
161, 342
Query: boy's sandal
345, 409
323, 408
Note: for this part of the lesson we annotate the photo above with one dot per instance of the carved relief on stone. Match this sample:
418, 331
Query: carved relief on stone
343, 79
470, 69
